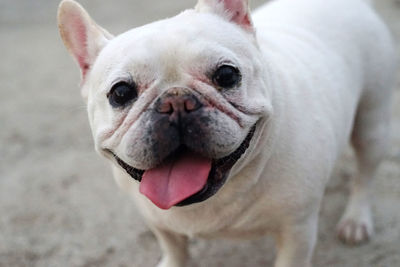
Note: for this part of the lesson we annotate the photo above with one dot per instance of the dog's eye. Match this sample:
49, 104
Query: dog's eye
121, 94
226, 76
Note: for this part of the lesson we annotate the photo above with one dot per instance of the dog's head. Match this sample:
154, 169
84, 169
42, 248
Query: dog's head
176, 102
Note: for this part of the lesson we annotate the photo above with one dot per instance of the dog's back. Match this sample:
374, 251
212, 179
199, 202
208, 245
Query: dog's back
350, 28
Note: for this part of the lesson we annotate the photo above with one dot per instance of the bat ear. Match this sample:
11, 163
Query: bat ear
83, 38
236, 11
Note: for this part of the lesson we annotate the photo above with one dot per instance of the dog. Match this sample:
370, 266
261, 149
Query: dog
225, 124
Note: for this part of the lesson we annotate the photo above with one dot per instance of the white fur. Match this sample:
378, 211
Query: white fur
320, 72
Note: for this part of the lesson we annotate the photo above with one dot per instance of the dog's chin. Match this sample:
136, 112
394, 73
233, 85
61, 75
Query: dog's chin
217, 177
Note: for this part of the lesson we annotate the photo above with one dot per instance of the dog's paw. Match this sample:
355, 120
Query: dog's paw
355, 231
164, 262
168, 262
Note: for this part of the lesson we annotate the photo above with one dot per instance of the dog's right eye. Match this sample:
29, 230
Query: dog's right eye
121, 94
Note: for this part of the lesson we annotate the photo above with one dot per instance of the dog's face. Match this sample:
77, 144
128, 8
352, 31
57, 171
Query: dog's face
175, 103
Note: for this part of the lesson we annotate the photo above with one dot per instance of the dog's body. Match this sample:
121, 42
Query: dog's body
316, 73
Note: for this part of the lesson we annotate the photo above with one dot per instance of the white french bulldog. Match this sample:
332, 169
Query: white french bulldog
220, 124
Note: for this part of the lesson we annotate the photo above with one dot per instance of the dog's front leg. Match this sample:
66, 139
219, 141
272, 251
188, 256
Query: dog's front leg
173, 247
295, 243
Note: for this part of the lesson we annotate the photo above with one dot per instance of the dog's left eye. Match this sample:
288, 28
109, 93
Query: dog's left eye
226, 76
121, 94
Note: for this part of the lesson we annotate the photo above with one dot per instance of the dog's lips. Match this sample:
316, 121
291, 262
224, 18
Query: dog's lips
217, 176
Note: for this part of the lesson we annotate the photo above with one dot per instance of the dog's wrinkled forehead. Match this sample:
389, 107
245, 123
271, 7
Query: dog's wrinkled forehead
189, 41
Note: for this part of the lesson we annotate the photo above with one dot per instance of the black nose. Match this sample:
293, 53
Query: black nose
177, 102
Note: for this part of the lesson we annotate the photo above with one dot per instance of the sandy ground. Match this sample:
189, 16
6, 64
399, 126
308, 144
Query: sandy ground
59, 205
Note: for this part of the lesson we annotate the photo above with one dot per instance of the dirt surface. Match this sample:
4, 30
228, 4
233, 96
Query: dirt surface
59, 205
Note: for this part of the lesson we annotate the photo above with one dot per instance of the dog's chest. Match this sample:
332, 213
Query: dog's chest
237, 222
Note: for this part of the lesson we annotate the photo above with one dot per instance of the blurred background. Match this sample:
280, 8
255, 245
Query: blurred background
59, 205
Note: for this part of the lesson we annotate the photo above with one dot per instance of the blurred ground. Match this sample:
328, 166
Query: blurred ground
59, 205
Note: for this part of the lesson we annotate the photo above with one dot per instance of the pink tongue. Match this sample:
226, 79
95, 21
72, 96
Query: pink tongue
175, 180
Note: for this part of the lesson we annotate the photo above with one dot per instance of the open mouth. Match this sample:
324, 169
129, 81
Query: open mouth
217, 175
